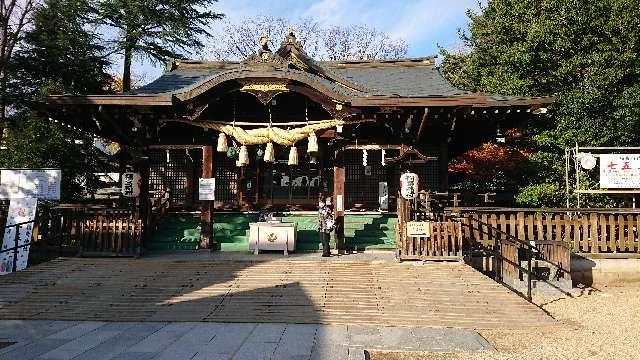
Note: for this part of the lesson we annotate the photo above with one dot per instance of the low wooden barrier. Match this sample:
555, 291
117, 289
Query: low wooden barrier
584, 231
444, 240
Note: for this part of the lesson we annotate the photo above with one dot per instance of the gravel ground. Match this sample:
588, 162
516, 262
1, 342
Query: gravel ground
599, 323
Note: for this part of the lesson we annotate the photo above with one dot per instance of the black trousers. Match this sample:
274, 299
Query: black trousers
324, 238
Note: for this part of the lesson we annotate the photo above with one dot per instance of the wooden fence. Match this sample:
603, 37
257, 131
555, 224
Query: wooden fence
587, 231
95, 230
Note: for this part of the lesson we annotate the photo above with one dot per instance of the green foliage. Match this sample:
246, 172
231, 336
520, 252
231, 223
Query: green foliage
586, 53
154, 28
59, 54
38, 143
541, 195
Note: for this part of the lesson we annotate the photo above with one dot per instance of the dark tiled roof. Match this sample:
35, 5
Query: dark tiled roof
384, 79
406, 81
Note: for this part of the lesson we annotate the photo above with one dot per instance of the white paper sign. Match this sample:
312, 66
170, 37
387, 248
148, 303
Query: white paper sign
339, 203
20, 210
26, 183
207, 189
620, 171
131, 184
383, 195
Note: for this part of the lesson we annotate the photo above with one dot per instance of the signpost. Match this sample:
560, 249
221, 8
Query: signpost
418, 229
27, 183
23, 187
620, 171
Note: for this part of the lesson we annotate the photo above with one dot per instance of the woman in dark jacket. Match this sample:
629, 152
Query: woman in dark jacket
325, 224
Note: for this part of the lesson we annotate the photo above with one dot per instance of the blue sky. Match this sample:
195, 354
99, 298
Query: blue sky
424, 24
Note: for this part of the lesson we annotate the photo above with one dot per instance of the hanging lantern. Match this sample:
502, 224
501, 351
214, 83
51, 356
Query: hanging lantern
313, 143
222, 143
293, 156
409, 185
269, 155
243, 158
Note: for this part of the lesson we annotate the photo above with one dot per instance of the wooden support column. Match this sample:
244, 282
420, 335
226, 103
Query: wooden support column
339, 198
145, 200
207, 240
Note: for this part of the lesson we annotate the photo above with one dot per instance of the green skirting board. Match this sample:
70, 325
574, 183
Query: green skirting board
182, 232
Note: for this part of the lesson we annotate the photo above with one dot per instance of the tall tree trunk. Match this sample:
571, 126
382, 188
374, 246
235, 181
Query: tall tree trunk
126, 73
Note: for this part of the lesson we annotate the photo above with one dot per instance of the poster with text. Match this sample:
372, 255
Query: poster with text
20, 211
620, 171
30, 183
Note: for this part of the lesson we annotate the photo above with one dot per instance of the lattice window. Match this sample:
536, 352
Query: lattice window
172, 170
226, 174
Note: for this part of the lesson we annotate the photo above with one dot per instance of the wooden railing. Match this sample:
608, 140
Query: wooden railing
94, 230
582, 231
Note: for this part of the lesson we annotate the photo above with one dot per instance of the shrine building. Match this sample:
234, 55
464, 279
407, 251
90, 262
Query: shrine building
278, 130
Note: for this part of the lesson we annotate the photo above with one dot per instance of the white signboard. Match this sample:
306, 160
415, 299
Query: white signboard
131, 184
207, 189
418, 229
620, 171
27, 183
339, 203
383, 195
20, 210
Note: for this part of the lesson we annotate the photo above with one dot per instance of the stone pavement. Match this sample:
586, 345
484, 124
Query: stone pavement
94, 340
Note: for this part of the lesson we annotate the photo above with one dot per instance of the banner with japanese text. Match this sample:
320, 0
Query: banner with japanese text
20, 211
620, 171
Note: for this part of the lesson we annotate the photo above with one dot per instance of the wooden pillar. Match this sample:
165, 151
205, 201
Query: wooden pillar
145, 200
207, 240
339, 198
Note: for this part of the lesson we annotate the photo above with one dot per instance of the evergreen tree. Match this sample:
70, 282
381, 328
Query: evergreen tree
586, 53
60, 55
154, 28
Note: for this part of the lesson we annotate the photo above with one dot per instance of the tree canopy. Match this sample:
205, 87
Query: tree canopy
154, 28
586, 53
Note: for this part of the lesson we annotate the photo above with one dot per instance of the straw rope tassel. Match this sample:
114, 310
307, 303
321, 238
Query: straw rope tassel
313, 143
222, 143
293, 156
269, 155
243, 158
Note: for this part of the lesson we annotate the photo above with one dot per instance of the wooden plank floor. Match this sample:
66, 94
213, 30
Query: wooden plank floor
340, 292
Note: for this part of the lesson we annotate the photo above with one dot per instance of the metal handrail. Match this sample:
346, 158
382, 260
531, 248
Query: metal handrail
530, 249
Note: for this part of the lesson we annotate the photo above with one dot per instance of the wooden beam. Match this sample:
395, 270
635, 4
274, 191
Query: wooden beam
423, 123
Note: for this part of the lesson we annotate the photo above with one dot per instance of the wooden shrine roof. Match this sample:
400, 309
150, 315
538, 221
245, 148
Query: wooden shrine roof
401, 82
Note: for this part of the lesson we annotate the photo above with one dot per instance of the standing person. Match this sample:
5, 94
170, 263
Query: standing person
325, 224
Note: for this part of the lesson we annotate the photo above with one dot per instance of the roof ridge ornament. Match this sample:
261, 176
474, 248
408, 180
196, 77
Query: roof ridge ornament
264, 57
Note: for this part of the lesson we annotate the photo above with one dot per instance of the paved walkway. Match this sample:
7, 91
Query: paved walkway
377, 293
62, 340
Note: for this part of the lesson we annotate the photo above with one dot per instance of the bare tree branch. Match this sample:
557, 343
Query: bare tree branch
237, 40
